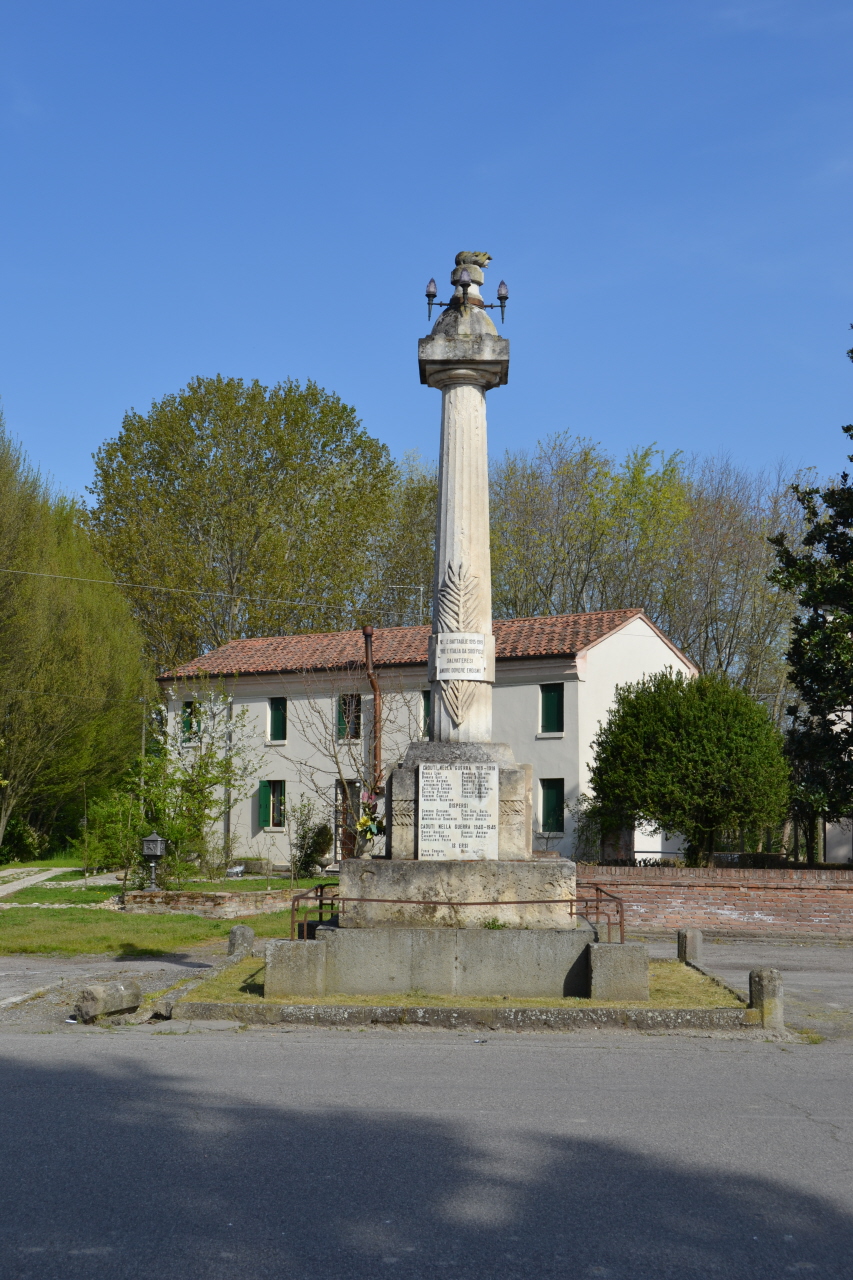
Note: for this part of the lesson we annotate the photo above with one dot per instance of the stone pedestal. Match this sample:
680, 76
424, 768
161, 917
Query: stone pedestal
518, 895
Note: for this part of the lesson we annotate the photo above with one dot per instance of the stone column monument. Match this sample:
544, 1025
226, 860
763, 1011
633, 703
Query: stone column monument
459, 809
459, 904
460, 796
464, 358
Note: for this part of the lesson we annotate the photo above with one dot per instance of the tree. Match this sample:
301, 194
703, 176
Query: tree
820, 577
72, 676
686, 540
266, 500
689, 757
403, 547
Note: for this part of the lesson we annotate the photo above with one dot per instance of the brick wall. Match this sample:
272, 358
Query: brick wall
816, 900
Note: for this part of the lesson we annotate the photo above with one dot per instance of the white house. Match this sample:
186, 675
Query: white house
311, 710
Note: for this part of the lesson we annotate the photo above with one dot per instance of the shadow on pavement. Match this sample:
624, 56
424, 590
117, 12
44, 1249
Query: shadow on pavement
123, 1173
130, 951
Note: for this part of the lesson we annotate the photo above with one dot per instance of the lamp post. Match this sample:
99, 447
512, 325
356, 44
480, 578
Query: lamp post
153, 849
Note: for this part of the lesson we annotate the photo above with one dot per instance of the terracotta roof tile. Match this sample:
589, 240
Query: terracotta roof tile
558, 636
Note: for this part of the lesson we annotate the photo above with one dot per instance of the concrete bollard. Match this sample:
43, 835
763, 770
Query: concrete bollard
690, 946
113, 997
241, 938
765, 995
618, 971
296, 968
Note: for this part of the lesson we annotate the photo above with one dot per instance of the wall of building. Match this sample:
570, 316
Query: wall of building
516, 719
305, 761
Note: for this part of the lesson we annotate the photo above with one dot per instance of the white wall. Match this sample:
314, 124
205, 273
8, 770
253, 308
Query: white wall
304, 762
516, 719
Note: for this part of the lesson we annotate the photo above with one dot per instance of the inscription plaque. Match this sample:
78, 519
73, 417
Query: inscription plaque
458, 811
460, 655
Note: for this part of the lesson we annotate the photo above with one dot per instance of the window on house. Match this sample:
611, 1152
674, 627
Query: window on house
551, 708
190, 722
426, 709
349, 715
272, 811
552, 804
278, 719
346, 815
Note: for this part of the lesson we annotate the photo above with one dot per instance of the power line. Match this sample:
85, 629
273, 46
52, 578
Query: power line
194, 591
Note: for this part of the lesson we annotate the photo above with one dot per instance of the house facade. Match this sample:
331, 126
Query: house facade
310, 714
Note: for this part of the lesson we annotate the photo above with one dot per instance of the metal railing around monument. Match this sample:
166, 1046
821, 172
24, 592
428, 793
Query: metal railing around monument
598, 908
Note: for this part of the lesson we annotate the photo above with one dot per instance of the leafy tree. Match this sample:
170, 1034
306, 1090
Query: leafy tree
688, 757
265, 499
403, 547
573, 531
820, 577
72, 675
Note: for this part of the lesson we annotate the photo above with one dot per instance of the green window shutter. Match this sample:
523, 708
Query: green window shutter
278, 807
551, 696
426, 695
342, 716
264, 790
187, 720
278, 719
553, 804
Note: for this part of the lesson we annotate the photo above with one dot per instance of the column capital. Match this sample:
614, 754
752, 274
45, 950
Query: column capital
481, 360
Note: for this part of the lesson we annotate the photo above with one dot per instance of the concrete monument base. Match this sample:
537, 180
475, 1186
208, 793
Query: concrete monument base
527, 894
462, 962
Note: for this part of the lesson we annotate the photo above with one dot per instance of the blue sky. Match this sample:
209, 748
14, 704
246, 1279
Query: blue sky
263, 189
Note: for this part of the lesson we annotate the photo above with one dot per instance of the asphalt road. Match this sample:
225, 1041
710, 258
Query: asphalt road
201, 1154
21, 975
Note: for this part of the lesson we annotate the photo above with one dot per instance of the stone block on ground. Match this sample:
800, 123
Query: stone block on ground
766, 995
241, 939
99, 1000
294, 969
690, 946
618, 971
528, 963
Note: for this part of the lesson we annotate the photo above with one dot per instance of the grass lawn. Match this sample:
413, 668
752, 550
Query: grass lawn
76, 932
43, 864
671, 986
45, 892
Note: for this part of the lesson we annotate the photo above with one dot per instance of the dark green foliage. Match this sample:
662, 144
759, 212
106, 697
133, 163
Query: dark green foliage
22, 842
688, 757
72, 675
820, 656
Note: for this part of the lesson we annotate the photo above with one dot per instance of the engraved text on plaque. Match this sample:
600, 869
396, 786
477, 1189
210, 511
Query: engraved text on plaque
458, 811
460, 655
